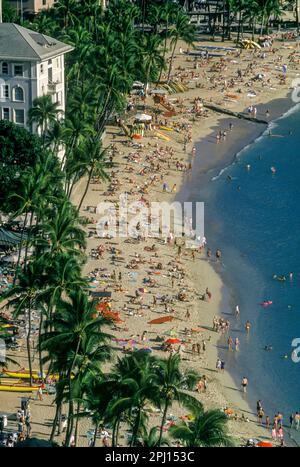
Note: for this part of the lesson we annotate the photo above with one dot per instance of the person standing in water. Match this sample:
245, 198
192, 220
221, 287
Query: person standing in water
244, 384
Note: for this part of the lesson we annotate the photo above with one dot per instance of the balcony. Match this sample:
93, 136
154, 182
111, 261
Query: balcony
52, 86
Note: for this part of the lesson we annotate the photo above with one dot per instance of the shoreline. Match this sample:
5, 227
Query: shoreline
243, 135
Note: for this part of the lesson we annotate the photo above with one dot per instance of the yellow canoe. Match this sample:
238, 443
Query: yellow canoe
25, 374
17, 388
21, 374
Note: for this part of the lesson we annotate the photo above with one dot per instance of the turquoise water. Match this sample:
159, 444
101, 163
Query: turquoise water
255, 219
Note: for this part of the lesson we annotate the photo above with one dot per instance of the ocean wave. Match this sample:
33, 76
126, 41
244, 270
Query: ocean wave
289, 112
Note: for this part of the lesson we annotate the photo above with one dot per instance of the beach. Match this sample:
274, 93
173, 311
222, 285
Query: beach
166, 269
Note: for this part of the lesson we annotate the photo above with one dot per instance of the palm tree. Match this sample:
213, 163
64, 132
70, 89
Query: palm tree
181, 30
61, 232
207, 429
95, 164
24, 297
151, 58
171, 382
43, 113
151, 439
76, 332
135, 380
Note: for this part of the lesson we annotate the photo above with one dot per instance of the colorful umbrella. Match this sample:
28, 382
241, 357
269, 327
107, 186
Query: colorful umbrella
173, 341
163, 319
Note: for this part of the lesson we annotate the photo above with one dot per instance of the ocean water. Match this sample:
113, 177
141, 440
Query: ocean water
255, 219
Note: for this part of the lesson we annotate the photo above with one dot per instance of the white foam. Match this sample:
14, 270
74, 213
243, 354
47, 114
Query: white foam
272, 125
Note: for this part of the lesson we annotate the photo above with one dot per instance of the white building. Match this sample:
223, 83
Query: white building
31, 65
31, 6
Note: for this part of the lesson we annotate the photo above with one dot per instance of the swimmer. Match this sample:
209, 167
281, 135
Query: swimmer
229, 178
291, 276
248, 166
268, 348
239, 188
273, 170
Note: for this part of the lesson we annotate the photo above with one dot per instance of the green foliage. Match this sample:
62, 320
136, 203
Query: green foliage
19, 152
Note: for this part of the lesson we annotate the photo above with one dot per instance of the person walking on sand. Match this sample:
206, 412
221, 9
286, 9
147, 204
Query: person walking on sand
199, 386
244, 384
222, 366
230, 343
274, 433
218, 364
39, 394
247, 326
297, 420
237, 311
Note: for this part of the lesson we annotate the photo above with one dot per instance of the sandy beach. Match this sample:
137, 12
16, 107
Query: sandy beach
122, 266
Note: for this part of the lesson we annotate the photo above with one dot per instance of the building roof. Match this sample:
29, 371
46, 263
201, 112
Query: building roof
19, 43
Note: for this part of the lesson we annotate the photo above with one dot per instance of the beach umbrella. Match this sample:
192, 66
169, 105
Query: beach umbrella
163, 319
264, 444
173, 341
143, 117
171, 332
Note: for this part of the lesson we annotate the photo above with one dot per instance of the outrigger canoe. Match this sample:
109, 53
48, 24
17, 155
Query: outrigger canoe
23, 374
18, 388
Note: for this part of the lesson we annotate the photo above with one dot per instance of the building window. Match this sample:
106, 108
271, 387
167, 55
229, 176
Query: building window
19, 116
5, 91
4, 68
18, 94
5, 113
18, 70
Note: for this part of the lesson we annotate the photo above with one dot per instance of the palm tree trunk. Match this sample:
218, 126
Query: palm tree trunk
163, 421
95, 435
20, 247
55, 421
28, 342
171, 61
136, 428
117, 431
86, 188
28, 238
253, 29
71, 404
40, 350
77, 423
